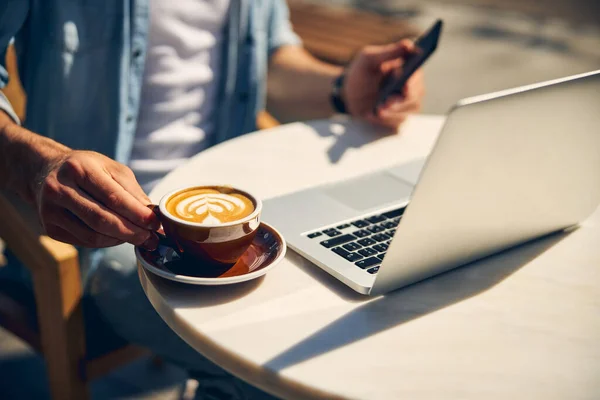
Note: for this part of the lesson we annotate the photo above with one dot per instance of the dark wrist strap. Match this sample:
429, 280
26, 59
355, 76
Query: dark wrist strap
336, 95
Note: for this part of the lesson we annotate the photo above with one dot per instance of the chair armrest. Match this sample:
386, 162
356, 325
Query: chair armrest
264, 120
21, 231
57, 288
2, 256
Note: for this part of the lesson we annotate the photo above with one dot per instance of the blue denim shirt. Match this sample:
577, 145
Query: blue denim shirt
81, 64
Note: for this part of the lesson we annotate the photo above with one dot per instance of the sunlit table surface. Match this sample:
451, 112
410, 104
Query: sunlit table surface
524, 324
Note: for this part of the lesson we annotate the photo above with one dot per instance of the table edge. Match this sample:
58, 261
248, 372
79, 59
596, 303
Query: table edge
252, 373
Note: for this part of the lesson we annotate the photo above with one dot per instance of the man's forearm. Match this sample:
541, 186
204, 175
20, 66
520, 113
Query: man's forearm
300, 85
23, 156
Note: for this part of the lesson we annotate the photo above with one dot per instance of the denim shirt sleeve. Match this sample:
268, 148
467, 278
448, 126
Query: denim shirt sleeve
280, 28
12, 17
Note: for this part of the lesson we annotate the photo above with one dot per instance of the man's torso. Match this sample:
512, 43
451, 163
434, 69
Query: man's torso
176, 115
82, 63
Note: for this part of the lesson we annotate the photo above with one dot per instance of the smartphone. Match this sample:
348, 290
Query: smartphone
395, 81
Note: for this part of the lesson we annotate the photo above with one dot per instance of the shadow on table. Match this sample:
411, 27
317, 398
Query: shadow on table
415, 301
348, 134
205, 296
325, 279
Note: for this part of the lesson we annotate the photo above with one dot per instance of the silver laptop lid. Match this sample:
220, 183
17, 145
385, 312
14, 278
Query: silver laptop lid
507, 167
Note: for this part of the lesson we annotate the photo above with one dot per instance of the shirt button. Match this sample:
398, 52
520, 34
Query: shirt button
129, 118
137, 53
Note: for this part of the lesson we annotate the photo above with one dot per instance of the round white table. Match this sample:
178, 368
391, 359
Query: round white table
524, 324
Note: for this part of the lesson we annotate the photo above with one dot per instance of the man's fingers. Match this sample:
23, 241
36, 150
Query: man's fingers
394, 112
389, 120
127, 179
63, 235
392, 101
409, 46
391, 66
398, 104
392, 117
100, 219
379, 54
101, 186
376, 55
67, 228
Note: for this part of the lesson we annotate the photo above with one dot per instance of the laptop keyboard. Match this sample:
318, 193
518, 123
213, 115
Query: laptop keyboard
363, 242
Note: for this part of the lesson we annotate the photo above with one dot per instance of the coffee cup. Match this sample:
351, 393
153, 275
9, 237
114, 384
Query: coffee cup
210, 225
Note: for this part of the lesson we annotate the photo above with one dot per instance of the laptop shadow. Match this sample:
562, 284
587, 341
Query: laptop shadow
348, 134
412, 302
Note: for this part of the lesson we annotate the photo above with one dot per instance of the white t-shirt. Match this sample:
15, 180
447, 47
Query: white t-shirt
180, 85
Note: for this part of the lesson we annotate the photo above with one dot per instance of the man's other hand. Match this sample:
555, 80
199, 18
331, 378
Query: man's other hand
87, 199
363, 80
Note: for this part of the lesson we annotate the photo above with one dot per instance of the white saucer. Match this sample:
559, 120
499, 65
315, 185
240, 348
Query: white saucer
265, 252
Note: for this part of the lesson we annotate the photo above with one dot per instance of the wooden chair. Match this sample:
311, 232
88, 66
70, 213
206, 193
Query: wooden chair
335, 33
264, 120
49, 313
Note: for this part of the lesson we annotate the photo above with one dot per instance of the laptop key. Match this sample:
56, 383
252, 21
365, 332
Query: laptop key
352, 246
381, 237
361, 233
332, 232
389, 225
346, 254
353, 257
336, 241
373, 270
396, 220
360, 223
394, 213
367, 252
340, 251
381, 247
376, 228
391, 232
343, 226
376, 218
314, 235
381, 256
366, 242
368, 262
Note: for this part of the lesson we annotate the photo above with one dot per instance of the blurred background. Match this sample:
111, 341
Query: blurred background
487, 45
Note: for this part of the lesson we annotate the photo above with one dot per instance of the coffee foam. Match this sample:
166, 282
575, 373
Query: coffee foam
210, 206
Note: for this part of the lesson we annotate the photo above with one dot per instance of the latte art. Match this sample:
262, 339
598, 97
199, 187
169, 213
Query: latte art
210, 206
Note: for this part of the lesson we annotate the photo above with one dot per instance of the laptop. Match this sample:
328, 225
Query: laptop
507, 167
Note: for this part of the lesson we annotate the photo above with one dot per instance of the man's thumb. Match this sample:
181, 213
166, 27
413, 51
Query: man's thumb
380, 54
377, 55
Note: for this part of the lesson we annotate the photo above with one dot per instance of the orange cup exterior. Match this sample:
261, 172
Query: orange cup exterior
215, 246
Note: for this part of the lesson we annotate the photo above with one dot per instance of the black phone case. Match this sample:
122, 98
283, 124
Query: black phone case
427, 44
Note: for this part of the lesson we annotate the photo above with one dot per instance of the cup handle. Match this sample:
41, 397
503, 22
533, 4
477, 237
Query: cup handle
160, 233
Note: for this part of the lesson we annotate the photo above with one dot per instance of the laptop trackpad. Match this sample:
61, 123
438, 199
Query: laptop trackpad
371, 191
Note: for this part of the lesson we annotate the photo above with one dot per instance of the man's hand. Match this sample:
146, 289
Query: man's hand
87, 199
363, 80
82, 197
